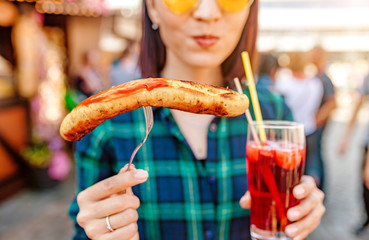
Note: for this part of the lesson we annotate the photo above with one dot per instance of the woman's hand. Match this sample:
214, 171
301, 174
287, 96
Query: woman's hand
307, 215
105, 202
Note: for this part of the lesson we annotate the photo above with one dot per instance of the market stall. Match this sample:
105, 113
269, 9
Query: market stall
32, 89
41, 53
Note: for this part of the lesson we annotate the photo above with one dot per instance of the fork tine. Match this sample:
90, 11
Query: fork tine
148, 118
146, 115
151, 118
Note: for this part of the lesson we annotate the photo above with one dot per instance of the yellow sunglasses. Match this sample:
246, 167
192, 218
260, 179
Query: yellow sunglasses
183, 6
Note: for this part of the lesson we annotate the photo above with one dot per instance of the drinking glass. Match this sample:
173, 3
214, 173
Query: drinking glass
275, 158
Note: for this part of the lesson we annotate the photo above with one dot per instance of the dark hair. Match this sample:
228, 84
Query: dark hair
267, 63
153, 52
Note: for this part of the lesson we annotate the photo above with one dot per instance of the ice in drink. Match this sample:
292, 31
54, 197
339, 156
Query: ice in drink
273, 169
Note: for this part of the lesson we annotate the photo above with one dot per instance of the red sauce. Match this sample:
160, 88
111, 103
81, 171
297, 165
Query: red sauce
126, 89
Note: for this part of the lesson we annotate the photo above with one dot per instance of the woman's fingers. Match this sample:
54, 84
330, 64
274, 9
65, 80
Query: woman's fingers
136, 237
308, 213
113, 185
124, 169
127, 232
91, 212
113, 205
124, 218
106, 198
306, 206
306, 187
302, 228
98, 227
245, 201
311, 198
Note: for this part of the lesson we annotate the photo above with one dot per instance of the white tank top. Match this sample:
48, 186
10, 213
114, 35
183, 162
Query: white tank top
194, 128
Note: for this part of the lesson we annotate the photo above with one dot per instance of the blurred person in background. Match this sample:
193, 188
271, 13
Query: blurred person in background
126, 67
91, 78
268, 68
318, 57
304, 95
197, 183
363, 229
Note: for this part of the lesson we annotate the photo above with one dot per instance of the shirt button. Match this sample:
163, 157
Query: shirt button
209, 234
213, 127
212, 180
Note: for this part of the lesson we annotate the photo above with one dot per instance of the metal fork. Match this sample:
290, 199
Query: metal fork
149, 121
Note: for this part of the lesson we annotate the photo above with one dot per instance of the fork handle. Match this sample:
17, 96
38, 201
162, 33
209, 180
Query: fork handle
133, 155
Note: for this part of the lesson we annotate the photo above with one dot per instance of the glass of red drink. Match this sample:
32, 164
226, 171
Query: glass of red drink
275, 163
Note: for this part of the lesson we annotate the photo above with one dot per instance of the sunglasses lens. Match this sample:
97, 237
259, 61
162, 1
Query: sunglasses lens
234, 5
180, 6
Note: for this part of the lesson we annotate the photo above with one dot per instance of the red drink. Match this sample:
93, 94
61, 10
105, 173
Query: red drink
273, 170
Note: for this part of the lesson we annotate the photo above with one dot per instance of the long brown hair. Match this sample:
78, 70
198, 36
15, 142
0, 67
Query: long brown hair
153, 52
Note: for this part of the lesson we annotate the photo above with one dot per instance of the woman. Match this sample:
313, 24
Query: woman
196, 163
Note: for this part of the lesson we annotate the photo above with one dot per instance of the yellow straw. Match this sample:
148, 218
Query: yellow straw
253, 93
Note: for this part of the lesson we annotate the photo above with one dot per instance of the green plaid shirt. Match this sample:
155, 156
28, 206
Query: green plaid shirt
184, 198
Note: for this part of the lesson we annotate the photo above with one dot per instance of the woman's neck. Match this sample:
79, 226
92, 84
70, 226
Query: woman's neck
182, 71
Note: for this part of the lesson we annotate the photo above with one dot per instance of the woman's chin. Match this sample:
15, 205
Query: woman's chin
205, 61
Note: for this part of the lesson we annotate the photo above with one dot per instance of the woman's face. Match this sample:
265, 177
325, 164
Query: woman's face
203, 37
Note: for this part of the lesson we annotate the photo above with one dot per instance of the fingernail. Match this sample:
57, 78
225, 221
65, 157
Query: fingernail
291, 230
299, 191
141, 174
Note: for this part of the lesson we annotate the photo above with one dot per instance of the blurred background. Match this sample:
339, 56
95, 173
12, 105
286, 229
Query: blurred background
55, 53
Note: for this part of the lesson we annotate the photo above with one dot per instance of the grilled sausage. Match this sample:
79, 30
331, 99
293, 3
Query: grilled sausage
157, 92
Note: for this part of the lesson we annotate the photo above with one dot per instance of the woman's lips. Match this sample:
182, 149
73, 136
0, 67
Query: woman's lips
206, 41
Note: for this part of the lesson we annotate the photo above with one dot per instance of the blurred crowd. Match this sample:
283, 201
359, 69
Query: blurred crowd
310, 93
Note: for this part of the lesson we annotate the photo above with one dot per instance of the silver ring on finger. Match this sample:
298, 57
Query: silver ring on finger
108, 225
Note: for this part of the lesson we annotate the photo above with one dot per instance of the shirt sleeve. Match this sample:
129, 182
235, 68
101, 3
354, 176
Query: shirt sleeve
93, 164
